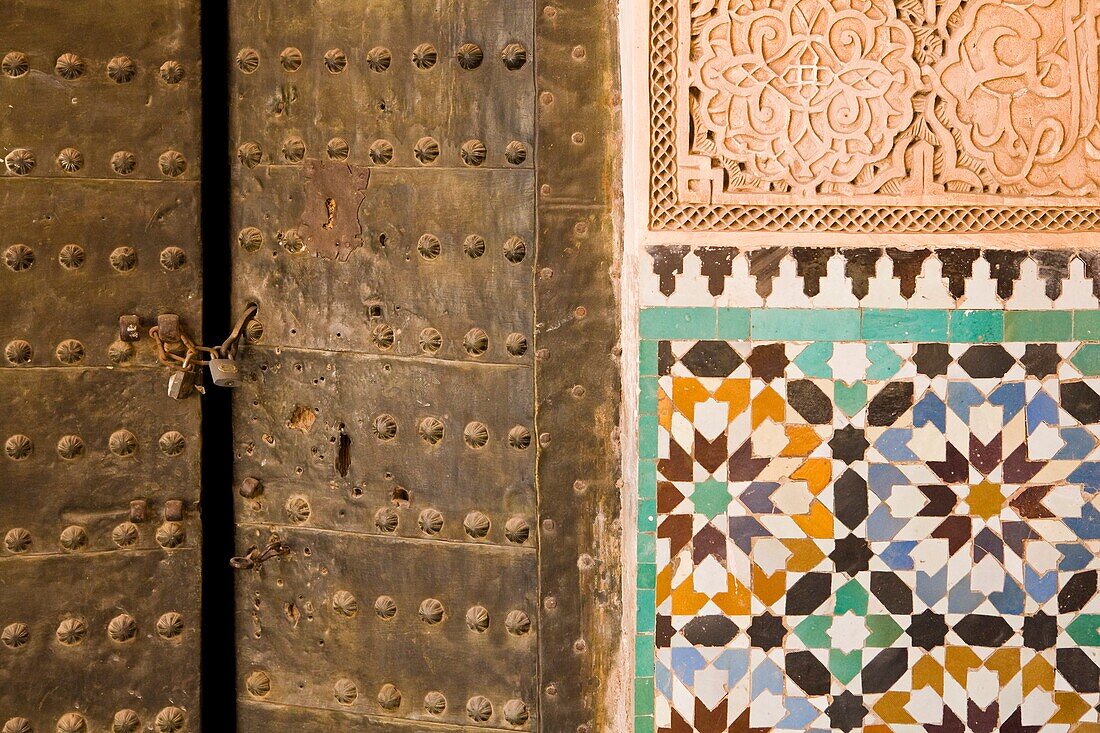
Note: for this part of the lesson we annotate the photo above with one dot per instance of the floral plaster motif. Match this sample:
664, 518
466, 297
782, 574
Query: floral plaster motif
805, 91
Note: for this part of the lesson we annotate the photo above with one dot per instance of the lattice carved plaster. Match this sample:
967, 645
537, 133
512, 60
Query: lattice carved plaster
875, 115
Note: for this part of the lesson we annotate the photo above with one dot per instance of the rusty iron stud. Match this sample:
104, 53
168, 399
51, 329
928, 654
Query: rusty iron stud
251, 487
168, 325
173, 510
138, 510
129, 328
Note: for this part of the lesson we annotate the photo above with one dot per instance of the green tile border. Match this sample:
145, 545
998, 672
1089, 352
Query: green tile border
685, 323
1054, 325
890, 325
895, 325
975, 327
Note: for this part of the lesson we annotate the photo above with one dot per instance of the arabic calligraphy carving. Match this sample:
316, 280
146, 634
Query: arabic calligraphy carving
1019, 81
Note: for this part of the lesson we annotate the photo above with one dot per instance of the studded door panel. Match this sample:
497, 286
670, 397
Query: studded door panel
388, 221
99, 482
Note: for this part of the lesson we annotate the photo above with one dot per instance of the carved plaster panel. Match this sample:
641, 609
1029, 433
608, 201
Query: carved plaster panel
874, 115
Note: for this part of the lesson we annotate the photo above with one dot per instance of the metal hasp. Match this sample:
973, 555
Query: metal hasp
422, 208
99, 480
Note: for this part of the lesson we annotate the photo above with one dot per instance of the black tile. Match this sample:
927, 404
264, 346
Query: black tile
846, 712
981, 630
986, 361
987, 542
954, 468
941, 501
859, 267
892, 592
1077, 591
928, 630
665, 359
1079, 670
1040, 360
851, 555
810, 402
890, 404
850, 499
1054, 268
932, 360
710, 631
808, 593
711, 359
768, 362
958, 265
956, 530
664, 631
982, 721
1040, 631
908, 264
764, 266
708, 541
1079, 400
849, 444
766, 632
1004, 267
668, 262
808, 672
880, 674
811, 264
1014, 723
716, 264
951, 723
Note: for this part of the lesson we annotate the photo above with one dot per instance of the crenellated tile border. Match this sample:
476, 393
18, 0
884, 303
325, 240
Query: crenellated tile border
826, 277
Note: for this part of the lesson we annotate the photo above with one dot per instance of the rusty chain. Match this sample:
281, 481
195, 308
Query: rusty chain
168, 352
254, 557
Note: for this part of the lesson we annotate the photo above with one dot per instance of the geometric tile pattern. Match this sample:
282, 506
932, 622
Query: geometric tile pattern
868, 535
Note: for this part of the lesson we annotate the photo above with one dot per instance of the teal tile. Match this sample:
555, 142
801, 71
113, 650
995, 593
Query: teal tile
1086, 325
644, 655
647, 358
647, 611
733, 323
797, 324
814, 360
885, 362
647, 397
644, 724
976, 327
677, 323
897, 324
643, 696
647, 547
647, 480
647, 575
1087, 359
647, 436
647, 515
1038, 325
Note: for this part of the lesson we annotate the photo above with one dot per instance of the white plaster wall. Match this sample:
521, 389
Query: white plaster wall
633, 44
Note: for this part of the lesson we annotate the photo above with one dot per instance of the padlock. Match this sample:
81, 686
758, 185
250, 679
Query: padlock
224, 372
181, 383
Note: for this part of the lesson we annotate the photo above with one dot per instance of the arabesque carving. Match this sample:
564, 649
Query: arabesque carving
874, 115
802, 92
